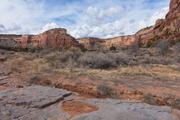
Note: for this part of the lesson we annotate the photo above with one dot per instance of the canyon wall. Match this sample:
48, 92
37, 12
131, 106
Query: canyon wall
164, 29
92, 44
97, 43
55, 38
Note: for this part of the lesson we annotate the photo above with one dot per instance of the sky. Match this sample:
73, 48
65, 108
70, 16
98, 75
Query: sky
81, 18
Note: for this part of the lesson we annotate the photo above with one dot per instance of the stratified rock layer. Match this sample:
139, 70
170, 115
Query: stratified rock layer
92, 43
97, 43
55, 38
121, 41
164, 29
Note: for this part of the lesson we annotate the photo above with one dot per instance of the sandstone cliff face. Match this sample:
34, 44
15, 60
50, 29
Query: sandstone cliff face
96, 43
55, 38
164, 29
92, 43
121, 41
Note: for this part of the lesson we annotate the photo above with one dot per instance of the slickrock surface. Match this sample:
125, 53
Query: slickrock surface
118, 110
31, 103
45, 103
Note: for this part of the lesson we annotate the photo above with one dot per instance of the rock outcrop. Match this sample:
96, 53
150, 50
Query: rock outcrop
122, 41
55, 38
92, 43
164, 29
45, 103
97, 43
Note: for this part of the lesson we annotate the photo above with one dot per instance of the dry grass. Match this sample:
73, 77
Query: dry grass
25, 63
21, 65
156, 71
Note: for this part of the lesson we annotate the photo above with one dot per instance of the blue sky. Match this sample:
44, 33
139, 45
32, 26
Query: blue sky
82, 18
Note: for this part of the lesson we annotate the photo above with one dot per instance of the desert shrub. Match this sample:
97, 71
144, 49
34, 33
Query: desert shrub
157, 60
32, 47
62, 59
134, 48
70, 58
119, 58
96, 60
112, 48
3, 58
70, 55
34, 79
106, 91
52, 60
9, 44
178, 59
163, 47
47, 51
150, 99
177, 47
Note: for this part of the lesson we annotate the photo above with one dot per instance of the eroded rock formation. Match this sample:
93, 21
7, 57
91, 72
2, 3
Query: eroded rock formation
121, 41
164, 29
92, 43
97, 43
55, 38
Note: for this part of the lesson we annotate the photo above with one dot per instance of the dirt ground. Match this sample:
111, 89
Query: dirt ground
154, 84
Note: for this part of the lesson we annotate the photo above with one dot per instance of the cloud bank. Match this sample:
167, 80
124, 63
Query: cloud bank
82, 18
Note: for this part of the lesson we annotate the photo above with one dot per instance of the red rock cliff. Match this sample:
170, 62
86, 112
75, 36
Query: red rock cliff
55, 38
96, 43
92, 43
121, 41
164, 29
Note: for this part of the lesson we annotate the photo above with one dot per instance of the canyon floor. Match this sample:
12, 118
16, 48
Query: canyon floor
29, 85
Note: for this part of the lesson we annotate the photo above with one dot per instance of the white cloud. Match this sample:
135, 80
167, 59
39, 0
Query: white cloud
95, 18
160, 14
49, 26
21, 14
95, 25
